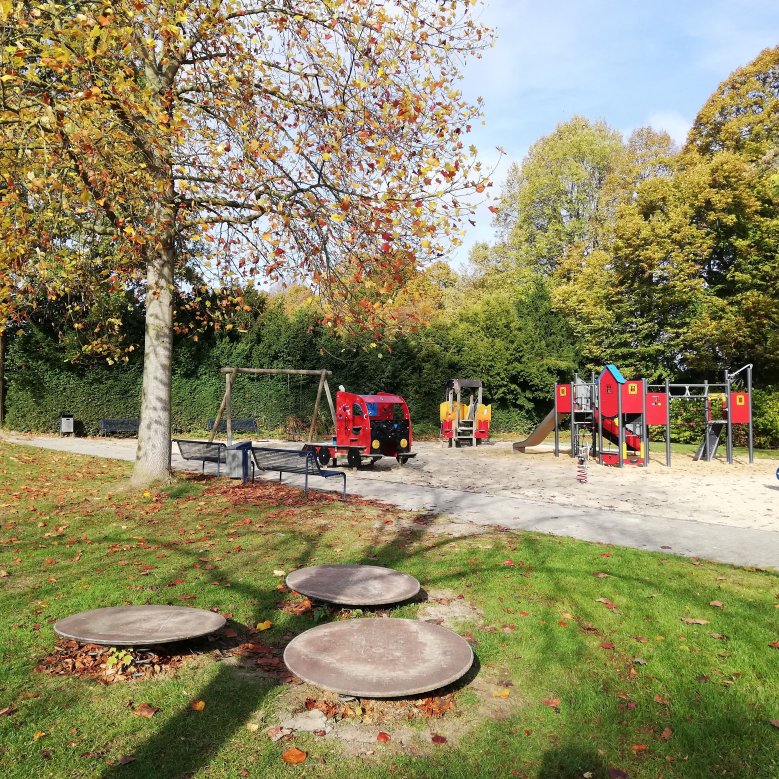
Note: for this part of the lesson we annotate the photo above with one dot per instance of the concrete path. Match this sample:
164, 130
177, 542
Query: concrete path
723, 543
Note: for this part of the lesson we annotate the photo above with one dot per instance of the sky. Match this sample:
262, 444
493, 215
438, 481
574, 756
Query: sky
628, 63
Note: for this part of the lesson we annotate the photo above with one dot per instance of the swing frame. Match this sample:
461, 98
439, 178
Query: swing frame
232, 372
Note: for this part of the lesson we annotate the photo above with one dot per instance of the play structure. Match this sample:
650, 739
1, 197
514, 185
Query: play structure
610, 416
367, 427
465, 420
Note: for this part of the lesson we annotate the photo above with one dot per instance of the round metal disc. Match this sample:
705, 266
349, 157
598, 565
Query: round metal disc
379, 658
138, 625
354, 585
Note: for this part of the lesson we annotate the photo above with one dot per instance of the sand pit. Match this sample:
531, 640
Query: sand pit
738, 495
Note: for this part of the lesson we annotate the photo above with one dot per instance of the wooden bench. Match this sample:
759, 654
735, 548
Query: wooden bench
205, 451
108, 426
299, 461
239, 425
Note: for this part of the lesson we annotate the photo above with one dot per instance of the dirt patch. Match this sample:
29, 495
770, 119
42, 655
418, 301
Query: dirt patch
447, 608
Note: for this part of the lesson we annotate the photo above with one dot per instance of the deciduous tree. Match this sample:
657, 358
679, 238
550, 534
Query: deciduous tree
316, 139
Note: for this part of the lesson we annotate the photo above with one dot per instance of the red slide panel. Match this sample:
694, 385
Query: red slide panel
739, 408
563, 397
656, 408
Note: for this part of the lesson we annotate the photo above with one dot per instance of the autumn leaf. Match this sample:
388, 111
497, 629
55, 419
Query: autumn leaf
436, 739
694, 621
774, 645
606, 645
606, 602
266, 625
600, 575
383, 737
39, 734
197, 705
8, 711
145, 710
504, 692
774, 722
293, 756
662, 701
666, 734
716, 603
552, 703
638, 748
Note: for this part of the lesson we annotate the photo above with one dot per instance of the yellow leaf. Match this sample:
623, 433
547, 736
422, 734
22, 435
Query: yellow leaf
503, 692
39, 734
197, 705
264, 625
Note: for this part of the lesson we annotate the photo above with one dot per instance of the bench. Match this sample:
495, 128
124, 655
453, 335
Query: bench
292, 461
238, 425
108, 426
205, 451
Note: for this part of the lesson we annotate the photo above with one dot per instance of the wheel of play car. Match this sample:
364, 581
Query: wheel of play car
323, 456
353, 458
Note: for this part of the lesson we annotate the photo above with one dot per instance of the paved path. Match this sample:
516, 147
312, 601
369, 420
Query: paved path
740, 546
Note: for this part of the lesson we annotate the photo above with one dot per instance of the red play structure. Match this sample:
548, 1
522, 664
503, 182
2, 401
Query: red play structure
611, 415
368, 427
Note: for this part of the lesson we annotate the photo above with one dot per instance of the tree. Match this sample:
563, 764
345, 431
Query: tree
313, 139
554, 200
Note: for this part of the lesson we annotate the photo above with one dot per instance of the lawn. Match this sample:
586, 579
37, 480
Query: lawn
592, 661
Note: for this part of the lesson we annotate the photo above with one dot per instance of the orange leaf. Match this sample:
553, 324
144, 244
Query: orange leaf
666, 734
264, 625
383, 737
145, 710
293, 756
197, 705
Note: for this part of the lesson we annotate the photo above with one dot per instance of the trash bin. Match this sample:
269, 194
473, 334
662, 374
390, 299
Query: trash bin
237, 460
66, 423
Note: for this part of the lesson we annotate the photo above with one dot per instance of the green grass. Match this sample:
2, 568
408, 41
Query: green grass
74, 537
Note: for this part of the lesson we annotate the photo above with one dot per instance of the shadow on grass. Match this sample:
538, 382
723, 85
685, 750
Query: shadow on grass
191, 740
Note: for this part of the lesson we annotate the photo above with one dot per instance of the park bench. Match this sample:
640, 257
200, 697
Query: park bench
292, 461
205, 451
108, 426
239, 425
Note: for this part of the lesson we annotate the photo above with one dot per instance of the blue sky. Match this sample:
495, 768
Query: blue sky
628, 63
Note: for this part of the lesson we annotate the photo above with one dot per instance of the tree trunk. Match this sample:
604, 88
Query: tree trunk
2, 378
152, 458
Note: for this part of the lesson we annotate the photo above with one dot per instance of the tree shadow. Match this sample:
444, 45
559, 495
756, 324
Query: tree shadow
191, 739
571, 761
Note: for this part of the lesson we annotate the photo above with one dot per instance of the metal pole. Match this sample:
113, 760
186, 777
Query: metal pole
750, 430
729, 422
620, 429
707, 413
556, 427
667, 424
644, 426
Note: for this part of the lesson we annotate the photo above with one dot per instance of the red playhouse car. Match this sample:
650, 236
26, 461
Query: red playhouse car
368, 427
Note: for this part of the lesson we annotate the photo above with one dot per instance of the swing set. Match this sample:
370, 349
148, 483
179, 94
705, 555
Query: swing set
367, 427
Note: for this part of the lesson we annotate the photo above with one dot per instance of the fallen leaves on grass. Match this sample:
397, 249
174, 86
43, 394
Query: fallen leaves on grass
197, 705
718, 604
91, 661
383, 737
694, 621
606, 645
662, 701
774, 722
145, 710
266, 625
293, 756
774, 645
436, 739
606, 602
600, 575
8, 711
666, 734
552, 703
503, 692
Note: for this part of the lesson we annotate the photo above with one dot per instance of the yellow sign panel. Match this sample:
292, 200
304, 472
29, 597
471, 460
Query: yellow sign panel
632, 389
740, 400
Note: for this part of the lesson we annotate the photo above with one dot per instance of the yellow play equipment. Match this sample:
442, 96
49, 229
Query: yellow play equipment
465, 420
